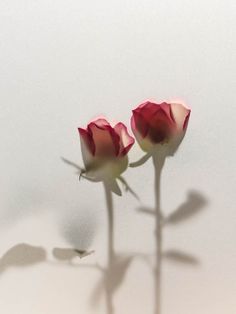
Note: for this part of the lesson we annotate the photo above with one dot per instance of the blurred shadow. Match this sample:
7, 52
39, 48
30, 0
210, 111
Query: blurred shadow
22, 255
113, 274
111, 280
190, 208
177, 256
79, 230
146, 210
193, 205
69, 254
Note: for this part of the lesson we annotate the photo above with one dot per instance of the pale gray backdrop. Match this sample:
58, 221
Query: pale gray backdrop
64, 62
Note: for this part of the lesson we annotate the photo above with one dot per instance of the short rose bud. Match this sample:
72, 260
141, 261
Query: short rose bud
105, 148
163, 123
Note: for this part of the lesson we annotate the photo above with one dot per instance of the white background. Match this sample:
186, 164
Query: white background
64, 62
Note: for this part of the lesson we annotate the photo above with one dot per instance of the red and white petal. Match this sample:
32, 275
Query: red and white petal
181, 116
147, 110
87, 146
139, 124
161, 127
166, 107
143, 142
100, 121
106, 141
126, 141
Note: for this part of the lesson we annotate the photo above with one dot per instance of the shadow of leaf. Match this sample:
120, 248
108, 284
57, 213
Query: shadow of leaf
22, 255
192, 206
97, 292
118, 271
146, 210
68, 254
177, 256
114, 277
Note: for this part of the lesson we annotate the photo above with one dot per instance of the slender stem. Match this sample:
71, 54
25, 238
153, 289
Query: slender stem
110, 247
158, 161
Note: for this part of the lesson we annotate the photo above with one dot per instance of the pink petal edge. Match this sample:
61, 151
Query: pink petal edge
126, 140
87, 139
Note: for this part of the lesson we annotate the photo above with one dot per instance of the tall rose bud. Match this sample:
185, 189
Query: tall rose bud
105, 148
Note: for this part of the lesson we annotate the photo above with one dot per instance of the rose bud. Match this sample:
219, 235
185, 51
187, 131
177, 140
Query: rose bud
104, 149
154, 124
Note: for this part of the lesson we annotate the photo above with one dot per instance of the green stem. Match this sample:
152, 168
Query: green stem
158, 162
110, 247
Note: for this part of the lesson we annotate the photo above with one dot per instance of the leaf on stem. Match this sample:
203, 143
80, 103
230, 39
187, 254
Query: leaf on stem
127, 187
114, 187
141, 161
72, 164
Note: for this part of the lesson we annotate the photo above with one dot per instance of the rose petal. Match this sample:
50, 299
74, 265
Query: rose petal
147, 110
181, 115
144, 142
105, 139
100, 121
126, 141
161, 125
87, 139
87, 146
139, 123
167, 109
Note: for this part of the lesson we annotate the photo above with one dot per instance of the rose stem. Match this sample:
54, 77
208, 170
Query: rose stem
158, 162
110, 247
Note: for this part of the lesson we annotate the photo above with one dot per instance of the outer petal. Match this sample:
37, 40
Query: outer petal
147, 110
100, 121
87, 146
144, 142
126, 141
181, 116
139, 124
